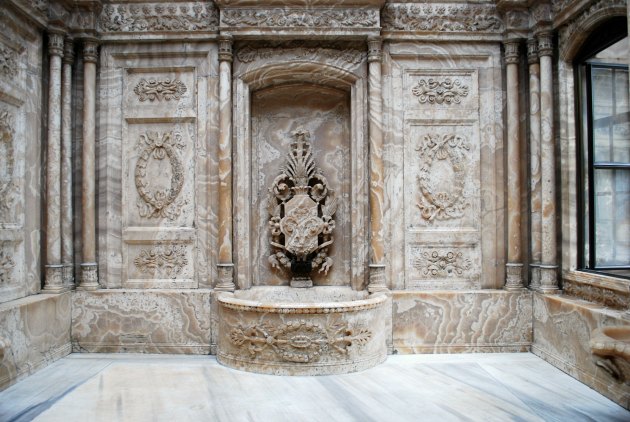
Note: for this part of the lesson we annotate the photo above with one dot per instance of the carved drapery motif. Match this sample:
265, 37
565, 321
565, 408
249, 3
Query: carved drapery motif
8, 62
299, 341
159, 203
7, 158
162, 260
248, 54
301, 206
441, 18
434, 91
314, 18
442, 263
440, 204
7, 264
159, 17
154, 89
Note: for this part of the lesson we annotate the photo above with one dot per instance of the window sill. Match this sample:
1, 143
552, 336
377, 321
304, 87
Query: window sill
612, 292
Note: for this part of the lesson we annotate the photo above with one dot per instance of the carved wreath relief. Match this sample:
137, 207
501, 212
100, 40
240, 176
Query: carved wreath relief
301, 207
153, 89
159, 202
163, 260
299, 341
451, 150
433, 91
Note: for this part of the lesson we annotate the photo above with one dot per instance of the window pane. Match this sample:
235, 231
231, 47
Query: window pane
612, 217
621, 127
603, 110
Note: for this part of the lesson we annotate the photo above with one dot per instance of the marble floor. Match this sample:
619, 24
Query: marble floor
478, 387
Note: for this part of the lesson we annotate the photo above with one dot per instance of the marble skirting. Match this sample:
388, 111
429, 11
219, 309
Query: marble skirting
142, 321
34, 332
562, 332
462, 322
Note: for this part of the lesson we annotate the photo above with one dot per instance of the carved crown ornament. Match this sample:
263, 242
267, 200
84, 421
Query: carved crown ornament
301, 206
159, 202
436, 203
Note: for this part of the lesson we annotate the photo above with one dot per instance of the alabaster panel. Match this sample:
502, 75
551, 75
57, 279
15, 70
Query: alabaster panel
160, 265
438, 267
276, 114
34, 332
563, 328
462, 322
148, 321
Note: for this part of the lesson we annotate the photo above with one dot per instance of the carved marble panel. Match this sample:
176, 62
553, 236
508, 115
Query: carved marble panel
160, 93
443, 266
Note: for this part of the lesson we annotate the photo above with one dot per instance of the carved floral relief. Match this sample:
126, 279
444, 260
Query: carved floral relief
299, 341
442, 263
8, 62
439, 198
159, 149
7, 158
154, 89
442, 18
7, 264
315, 18
435, 91
162, 260
249, 54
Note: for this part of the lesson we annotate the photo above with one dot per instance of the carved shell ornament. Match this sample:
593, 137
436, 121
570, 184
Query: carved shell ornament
159, 202
301, 206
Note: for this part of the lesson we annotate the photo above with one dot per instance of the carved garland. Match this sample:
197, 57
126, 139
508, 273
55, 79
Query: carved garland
299, 341
433, 91
158, 17
6, 139
314, 18
350, 55
443, 205
442, 263
153, 89
159, 203
441, 18
162, 260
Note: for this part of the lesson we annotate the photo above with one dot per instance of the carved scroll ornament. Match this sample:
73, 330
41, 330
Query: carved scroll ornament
153, 89
301, 208
442, 263
299, 341
434, 91
449, 204
162, 260
159, 203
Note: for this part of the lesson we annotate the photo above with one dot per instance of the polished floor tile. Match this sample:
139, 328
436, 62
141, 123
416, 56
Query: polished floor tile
478, 387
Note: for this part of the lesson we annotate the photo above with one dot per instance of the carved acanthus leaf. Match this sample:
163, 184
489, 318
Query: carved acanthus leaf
314, 18
162, 260
154, 89
441, 18
445, 91
442, 263
158, 17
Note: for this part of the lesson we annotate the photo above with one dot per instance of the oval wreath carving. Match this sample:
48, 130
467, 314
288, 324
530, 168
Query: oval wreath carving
159, 203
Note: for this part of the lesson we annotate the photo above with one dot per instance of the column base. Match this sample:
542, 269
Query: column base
54, 279
226, 278
514, 276
377, 279
68, 275
89, 276
534, 283
548, 279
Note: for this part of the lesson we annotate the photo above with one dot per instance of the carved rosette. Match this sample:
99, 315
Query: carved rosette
162, 260
299, 341
154, 89
159, 202
7, 158
301, 206
433, 91
442, 264
439, 204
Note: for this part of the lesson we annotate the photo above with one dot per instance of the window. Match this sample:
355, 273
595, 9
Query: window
605, 157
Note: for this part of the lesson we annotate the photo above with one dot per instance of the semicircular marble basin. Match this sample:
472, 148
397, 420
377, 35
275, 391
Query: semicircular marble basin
611, 347
315, 331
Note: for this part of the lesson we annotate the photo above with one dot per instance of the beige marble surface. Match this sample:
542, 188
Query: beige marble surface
34, 332
461, 322
142, 321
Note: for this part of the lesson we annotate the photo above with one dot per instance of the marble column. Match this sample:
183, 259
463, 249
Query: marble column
377, 267
89, 267
548, 267
534, 163
53, 282
225, 265
67, 239
514, 266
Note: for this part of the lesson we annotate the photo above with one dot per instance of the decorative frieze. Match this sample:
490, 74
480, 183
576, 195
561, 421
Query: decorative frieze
157, 202
441, 18
8, 62
452, 150
299, 341
158, 17
162, 260
445, 91
157, 89
352, 56
287, 18
442, 263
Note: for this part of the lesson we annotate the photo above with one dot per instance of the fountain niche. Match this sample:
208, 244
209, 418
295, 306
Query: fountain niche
301, 306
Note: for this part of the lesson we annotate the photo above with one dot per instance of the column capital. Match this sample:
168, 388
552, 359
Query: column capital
90, 50
68, 51
545, 43
512, 51
375, 49
55, 42
225, 48
532, 51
